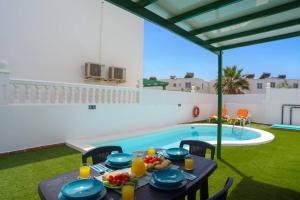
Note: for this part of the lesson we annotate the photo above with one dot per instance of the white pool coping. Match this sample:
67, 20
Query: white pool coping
83, 144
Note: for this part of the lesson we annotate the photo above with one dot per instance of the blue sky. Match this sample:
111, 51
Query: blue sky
168, 54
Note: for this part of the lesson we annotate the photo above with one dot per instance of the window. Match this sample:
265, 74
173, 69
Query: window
174, 84
188, 85
259, 85
295, 85
179, 84
272, 84
202, 86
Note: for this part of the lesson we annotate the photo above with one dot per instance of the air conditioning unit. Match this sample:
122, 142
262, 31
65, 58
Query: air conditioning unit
93, 70
117, 74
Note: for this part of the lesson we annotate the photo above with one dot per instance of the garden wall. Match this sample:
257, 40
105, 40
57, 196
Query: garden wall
63, 115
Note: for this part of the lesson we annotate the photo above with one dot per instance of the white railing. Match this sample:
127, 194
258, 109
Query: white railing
46, 92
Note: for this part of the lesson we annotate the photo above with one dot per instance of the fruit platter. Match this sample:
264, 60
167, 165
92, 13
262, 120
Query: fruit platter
116, 180
156, 163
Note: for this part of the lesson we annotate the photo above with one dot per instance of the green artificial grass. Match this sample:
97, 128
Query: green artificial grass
268, 171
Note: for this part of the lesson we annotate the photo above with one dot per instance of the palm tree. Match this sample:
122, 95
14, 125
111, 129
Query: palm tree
233, 82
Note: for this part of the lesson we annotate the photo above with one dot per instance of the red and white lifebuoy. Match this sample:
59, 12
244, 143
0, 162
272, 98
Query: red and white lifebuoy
196, 111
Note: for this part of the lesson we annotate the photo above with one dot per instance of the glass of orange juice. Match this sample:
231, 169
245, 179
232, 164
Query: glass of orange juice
128, 192
84, 171
189, 163
151, 151
138, 167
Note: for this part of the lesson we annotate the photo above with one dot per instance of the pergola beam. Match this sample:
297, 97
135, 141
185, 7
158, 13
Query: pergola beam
259, 14
144, 3
255, 31
269, 39
146, 14
200, 10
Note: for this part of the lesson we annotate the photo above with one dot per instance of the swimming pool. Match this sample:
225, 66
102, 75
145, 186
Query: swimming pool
171, 137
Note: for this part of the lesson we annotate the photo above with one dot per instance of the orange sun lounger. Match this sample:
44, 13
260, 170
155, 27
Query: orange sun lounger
242, 116
224, 115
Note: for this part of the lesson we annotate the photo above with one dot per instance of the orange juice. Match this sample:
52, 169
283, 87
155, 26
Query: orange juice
138, 167
128, 192
151, 151
189, 164
84, 172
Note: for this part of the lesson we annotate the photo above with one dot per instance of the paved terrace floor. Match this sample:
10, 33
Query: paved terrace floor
269, 171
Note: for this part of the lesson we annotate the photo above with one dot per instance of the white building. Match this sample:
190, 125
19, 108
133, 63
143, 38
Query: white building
258, 86
188, 84
51, 40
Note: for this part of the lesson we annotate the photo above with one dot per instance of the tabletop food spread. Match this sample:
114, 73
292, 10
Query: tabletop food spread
126, 173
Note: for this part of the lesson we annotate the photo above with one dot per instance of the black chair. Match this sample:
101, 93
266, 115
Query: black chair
99, 154
222, 195
199, 148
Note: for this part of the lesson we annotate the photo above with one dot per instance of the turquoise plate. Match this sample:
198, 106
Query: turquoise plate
168, 177
177, 153
82, 188
163, 187
117, 166
102, 195
119, 158
171, 158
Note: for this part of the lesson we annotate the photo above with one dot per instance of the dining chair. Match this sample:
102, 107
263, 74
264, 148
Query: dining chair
222, 195
199, 148
99, 154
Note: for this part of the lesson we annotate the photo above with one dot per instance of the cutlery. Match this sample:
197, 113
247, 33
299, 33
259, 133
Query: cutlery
188, 175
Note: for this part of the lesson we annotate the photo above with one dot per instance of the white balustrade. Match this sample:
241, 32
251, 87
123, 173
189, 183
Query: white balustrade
16, 95
79, 95
64, 95
124, 96
103, 96
38, 94
108, 97
46, 92
47, 95
93, 93
119, 96
97, 96
129, 96
27, 94
84, 95
113, 96
56, 95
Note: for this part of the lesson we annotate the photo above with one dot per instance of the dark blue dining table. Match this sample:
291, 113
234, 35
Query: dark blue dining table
203, 168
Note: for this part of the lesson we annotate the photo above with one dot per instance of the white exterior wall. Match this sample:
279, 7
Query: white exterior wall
255, 103
38, 121
52, 39
26, 126
266, 108
274, 101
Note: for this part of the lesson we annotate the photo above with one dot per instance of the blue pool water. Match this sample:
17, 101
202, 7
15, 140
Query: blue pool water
171, 137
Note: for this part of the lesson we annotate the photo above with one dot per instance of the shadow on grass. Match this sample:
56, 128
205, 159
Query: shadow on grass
250, 189
23, 158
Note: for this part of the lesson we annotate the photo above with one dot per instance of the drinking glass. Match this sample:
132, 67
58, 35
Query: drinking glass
84, 171
151, 151
189, 163
138, 167
128, 192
